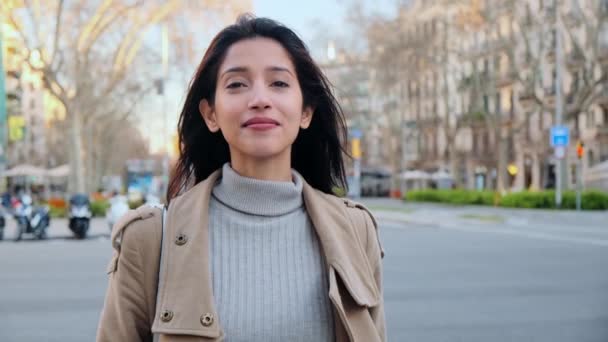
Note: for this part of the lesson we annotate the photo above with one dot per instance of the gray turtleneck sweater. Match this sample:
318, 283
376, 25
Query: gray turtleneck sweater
269, 274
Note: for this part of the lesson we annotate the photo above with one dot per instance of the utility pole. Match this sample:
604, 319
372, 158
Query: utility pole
165, 71
3, 119
558, 105
580, 152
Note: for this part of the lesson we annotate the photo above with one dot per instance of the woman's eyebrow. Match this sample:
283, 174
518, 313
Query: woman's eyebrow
241, 69
279, 68
234, 69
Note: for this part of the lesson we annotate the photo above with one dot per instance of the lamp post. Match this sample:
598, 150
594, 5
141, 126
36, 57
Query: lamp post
165, 68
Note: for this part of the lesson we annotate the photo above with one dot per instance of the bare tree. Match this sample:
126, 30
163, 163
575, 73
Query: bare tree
87, 52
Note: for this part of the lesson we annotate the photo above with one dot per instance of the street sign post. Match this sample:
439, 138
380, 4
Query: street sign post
560, 152
560, 136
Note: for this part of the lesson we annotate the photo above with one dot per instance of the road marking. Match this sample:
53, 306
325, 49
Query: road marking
503, 231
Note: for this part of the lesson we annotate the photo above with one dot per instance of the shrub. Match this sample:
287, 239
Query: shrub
99, 207
594, 200
134, 204
57, 212
457, 196
57, 202
591, 200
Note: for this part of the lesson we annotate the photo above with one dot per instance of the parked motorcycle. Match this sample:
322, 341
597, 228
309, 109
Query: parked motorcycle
2, 222
119, 205
80, 215
30, 219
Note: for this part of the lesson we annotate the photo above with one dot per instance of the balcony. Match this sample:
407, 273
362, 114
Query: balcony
573, 18
602, 53
506, 78
550, 13
575, 60
602, 133
603, 98
501, 43
527, 97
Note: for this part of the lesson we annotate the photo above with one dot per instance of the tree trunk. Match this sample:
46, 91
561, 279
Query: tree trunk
536, 172
76, 183
520, 177
453, 162
501, 163
88, 157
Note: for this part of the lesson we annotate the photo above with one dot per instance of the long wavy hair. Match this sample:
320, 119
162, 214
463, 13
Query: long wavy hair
317, 153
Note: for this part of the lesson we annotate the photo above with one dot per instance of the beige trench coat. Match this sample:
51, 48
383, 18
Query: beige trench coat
180, 307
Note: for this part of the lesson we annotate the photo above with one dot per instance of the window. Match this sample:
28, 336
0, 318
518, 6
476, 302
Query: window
554, 81
497, 104
590, 119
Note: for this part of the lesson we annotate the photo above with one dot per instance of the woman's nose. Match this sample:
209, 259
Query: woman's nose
260, 98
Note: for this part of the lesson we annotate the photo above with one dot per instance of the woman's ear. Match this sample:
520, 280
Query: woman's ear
208, 115
306, 117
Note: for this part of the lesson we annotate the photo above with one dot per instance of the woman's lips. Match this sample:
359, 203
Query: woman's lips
261, 124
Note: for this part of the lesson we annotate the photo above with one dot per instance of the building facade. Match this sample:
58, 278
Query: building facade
472, 87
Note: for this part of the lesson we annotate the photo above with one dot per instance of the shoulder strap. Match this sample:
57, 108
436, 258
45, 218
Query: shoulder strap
160, 260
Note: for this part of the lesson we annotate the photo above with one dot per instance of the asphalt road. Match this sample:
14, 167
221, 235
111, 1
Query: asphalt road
440, 285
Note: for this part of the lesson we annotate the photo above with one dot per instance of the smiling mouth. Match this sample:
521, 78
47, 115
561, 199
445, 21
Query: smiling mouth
260, 124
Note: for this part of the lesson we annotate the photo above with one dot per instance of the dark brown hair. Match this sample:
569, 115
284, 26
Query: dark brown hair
317, 153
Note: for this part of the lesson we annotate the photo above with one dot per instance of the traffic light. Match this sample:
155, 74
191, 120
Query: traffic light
580, 149
356, 148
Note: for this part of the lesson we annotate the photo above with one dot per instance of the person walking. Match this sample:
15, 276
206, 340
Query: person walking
253, 244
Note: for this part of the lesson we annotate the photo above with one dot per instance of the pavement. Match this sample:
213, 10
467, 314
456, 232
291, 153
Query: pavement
587, 227
451, 274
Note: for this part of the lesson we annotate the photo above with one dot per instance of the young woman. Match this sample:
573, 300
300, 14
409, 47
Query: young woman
253, 245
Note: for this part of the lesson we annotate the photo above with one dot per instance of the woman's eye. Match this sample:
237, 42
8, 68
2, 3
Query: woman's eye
280, 84
235, 85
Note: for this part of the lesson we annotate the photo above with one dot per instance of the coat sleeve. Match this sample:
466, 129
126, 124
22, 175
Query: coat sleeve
376, 254
130, 299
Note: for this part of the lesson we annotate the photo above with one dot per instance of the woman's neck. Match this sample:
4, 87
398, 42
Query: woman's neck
271, 169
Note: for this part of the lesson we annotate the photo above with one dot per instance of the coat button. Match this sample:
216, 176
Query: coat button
207, 319
166, 316
181, 239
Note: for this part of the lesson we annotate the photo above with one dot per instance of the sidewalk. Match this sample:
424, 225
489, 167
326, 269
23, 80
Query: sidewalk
587, 228
441, 214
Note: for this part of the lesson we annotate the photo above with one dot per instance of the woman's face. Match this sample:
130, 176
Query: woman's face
258, 101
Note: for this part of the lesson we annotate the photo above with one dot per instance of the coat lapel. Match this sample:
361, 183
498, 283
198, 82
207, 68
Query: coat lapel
185, 283
343, 248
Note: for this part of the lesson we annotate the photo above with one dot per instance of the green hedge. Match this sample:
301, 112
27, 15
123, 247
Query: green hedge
99, 208
591, 200
451, 196
57, 212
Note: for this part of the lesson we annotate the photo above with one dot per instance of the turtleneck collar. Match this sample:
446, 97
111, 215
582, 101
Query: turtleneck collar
258, 197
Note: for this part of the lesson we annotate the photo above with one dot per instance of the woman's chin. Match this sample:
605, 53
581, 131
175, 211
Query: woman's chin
263, 152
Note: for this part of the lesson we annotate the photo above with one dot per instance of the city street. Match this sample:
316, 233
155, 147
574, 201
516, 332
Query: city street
451, 274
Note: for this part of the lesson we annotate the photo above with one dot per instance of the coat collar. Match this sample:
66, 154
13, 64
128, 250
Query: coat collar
189, 286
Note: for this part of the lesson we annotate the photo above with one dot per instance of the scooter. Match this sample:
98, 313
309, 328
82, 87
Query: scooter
30, 219
2, 223
119, 205
80, 215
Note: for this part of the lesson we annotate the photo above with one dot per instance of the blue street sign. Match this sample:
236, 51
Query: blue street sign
560, 136
356, 133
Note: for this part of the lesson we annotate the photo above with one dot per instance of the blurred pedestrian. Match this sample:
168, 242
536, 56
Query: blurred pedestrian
255, 245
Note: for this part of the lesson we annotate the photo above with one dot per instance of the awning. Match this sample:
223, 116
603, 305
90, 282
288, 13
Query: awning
25, 170
415, 175
59, 171
35, 171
